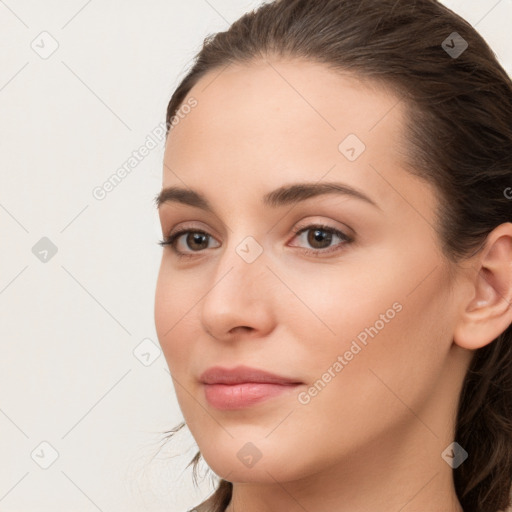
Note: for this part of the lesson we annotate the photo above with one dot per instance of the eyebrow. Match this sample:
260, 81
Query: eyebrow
287, 194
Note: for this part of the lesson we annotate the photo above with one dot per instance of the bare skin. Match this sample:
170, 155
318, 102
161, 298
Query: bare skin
372, 437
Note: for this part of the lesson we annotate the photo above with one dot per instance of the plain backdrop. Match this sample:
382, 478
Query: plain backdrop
85, 394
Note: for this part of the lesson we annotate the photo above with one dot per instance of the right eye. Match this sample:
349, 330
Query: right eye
195, 240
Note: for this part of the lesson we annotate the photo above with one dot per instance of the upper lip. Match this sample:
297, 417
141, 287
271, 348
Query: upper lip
241, 374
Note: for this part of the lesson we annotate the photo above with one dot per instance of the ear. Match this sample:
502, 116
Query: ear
488, 310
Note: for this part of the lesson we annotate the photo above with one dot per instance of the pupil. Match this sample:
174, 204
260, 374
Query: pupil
318, 237
198, 237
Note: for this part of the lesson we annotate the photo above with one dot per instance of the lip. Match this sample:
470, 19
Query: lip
243, 386
242, 374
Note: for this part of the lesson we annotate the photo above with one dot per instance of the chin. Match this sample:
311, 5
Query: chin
239, 461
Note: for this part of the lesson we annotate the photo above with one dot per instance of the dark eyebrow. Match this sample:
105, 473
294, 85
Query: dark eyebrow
287, 194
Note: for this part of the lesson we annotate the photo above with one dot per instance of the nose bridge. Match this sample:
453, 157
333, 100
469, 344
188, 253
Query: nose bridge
239, 292
242, 267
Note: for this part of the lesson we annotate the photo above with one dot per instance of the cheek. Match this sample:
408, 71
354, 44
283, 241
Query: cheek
389, 375
393, 347
391, 327
174, 303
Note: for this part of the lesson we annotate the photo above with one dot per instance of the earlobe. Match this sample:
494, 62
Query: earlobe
488, 312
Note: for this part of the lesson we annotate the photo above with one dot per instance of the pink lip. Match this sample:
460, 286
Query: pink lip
242, 386
241, 374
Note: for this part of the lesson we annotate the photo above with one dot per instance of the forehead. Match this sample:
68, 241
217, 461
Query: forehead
287, 97
259, 125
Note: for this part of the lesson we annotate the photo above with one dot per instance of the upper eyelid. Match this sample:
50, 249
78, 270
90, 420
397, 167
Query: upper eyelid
344, 227
185, 229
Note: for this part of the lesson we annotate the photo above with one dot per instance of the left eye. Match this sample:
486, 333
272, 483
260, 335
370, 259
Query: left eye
320, 237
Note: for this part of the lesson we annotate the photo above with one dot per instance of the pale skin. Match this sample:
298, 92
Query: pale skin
372, 439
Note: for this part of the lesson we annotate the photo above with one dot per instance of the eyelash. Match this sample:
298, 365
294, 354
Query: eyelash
171, 240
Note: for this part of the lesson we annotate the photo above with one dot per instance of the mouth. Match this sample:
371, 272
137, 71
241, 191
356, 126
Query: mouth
240, 387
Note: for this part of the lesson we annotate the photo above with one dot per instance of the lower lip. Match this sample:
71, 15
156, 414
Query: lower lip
238, 396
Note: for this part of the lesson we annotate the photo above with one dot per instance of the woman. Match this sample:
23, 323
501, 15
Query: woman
334, 297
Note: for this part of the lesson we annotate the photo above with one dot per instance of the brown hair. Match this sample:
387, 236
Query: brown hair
459, 138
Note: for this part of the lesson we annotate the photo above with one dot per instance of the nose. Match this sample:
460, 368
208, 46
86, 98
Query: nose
240, 298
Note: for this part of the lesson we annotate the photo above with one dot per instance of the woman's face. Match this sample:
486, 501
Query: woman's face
362, 319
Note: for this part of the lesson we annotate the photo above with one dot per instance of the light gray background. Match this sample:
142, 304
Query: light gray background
69, 326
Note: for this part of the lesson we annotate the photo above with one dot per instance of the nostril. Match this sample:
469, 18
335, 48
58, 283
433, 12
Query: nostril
243, 327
